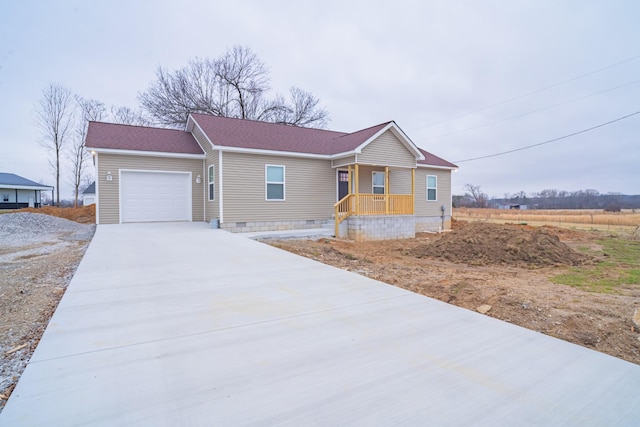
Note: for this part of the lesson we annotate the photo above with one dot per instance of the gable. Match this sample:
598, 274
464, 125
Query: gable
388, 150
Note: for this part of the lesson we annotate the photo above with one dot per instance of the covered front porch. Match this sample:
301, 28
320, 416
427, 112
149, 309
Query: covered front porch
375, 212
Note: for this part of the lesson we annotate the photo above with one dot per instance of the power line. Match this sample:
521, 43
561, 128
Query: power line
533, 111
550, 140
506, 101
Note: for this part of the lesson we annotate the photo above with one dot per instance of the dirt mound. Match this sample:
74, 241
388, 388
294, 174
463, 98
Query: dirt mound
83, 214
480, 243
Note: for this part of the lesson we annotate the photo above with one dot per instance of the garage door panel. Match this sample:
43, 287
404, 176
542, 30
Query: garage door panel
155, 196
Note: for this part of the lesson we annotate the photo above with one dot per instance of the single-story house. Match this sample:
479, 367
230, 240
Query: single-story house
17, 192
246, 175
89, 195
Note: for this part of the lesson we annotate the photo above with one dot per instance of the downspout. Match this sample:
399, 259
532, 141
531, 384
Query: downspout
205, 188
35, 198
221, 186
17, 205
97, 182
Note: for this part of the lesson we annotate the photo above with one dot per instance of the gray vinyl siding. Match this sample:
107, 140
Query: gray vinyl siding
366, 178
349, 160
443, 193
201, 139
400, 181
387, 150
109, 198
310, 188
211, 208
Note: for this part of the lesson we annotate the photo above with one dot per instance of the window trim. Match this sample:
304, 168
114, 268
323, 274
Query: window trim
211, 181
435, 199
373, 186
267, 182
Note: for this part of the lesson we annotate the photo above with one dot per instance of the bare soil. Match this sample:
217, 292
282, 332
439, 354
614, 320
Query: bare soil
502, 271
82, 214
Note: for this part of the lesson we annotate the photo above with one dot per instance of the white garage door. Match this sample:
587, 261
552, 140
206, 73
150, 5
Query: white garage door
155, 196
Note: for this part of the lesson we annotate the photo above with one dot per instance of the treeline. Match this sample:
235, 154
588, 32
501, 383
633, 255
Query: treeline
236, 84
551, 199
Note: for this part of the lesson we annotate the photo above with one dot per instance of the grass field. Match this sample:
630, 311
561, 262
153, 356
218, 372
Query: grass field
581, 219
618, 271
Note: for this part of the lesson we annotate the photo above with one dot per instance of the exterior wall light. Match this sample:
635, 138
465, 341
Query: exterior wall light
109, 176
198, 179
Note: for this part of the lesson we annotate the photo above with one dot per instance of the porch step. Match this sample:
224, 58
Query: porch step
306, 233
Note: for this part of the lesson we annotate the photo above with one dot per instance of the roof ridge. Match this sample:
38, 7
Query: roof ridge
134, 126
365, 129
268, 123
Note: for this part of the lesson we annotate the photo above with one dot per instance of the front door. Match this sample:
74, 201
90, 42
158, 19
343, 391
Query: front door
343, 184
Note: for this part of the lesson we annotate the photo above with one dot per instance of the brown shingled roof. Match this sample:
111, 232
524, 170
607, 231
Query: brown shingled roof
433, 160
228, 132
139, 138
239, 133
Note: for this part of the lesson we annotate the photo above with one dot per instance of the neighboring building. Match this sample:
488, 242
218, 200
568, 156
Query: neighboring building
17, 192
255, 176
89, 195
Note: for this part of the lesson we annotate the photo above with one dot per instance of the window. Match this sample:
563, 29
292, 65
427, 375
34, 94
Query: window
274, 182
5, 197
378, 183
432, 188
212, 183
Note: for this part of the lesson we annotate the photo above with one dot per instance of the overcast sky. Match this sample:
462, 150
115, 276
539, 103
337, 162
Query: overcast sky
424, 64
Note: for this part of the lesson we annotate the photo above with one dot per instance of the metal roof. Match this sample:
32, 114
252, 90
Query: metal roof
11, 180
90, 189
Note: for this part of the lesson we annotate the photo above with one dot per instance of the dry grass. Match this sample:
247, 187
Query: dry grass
595, 217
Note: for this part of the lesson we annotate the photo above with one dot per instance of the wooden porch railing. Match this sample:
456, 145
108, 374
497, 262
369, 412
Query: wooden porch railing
372, 204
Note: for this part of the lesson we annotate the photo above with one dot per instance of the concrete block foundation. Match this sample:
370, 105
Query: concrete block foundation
251, 227
432, 223
382, 227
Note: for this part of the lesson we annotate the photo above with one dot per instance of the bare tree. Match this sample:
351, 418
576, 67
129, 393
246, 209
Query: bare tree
54, 116
90, 110
301, 110
247, 80
233, 85
129, 116
86, 182
480, 199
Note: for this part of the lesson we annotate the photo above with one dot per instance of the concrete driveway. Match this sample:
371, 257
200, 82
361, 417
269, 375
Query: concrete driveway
181, 325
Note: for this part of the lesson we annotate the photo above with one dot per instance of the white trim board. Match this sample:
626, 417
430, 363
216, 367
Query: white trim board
148, 153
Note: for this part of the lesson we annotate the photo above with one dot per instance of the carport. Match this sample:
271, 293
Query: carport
169, 324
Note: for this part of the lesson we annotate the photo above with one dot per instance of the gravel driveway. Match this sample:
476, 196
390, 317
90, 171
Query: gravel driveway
38, 256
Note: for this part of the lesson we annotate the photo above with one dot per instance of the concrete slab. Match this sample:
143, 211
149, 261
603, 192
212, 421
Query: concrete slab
308, 233
179, 324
